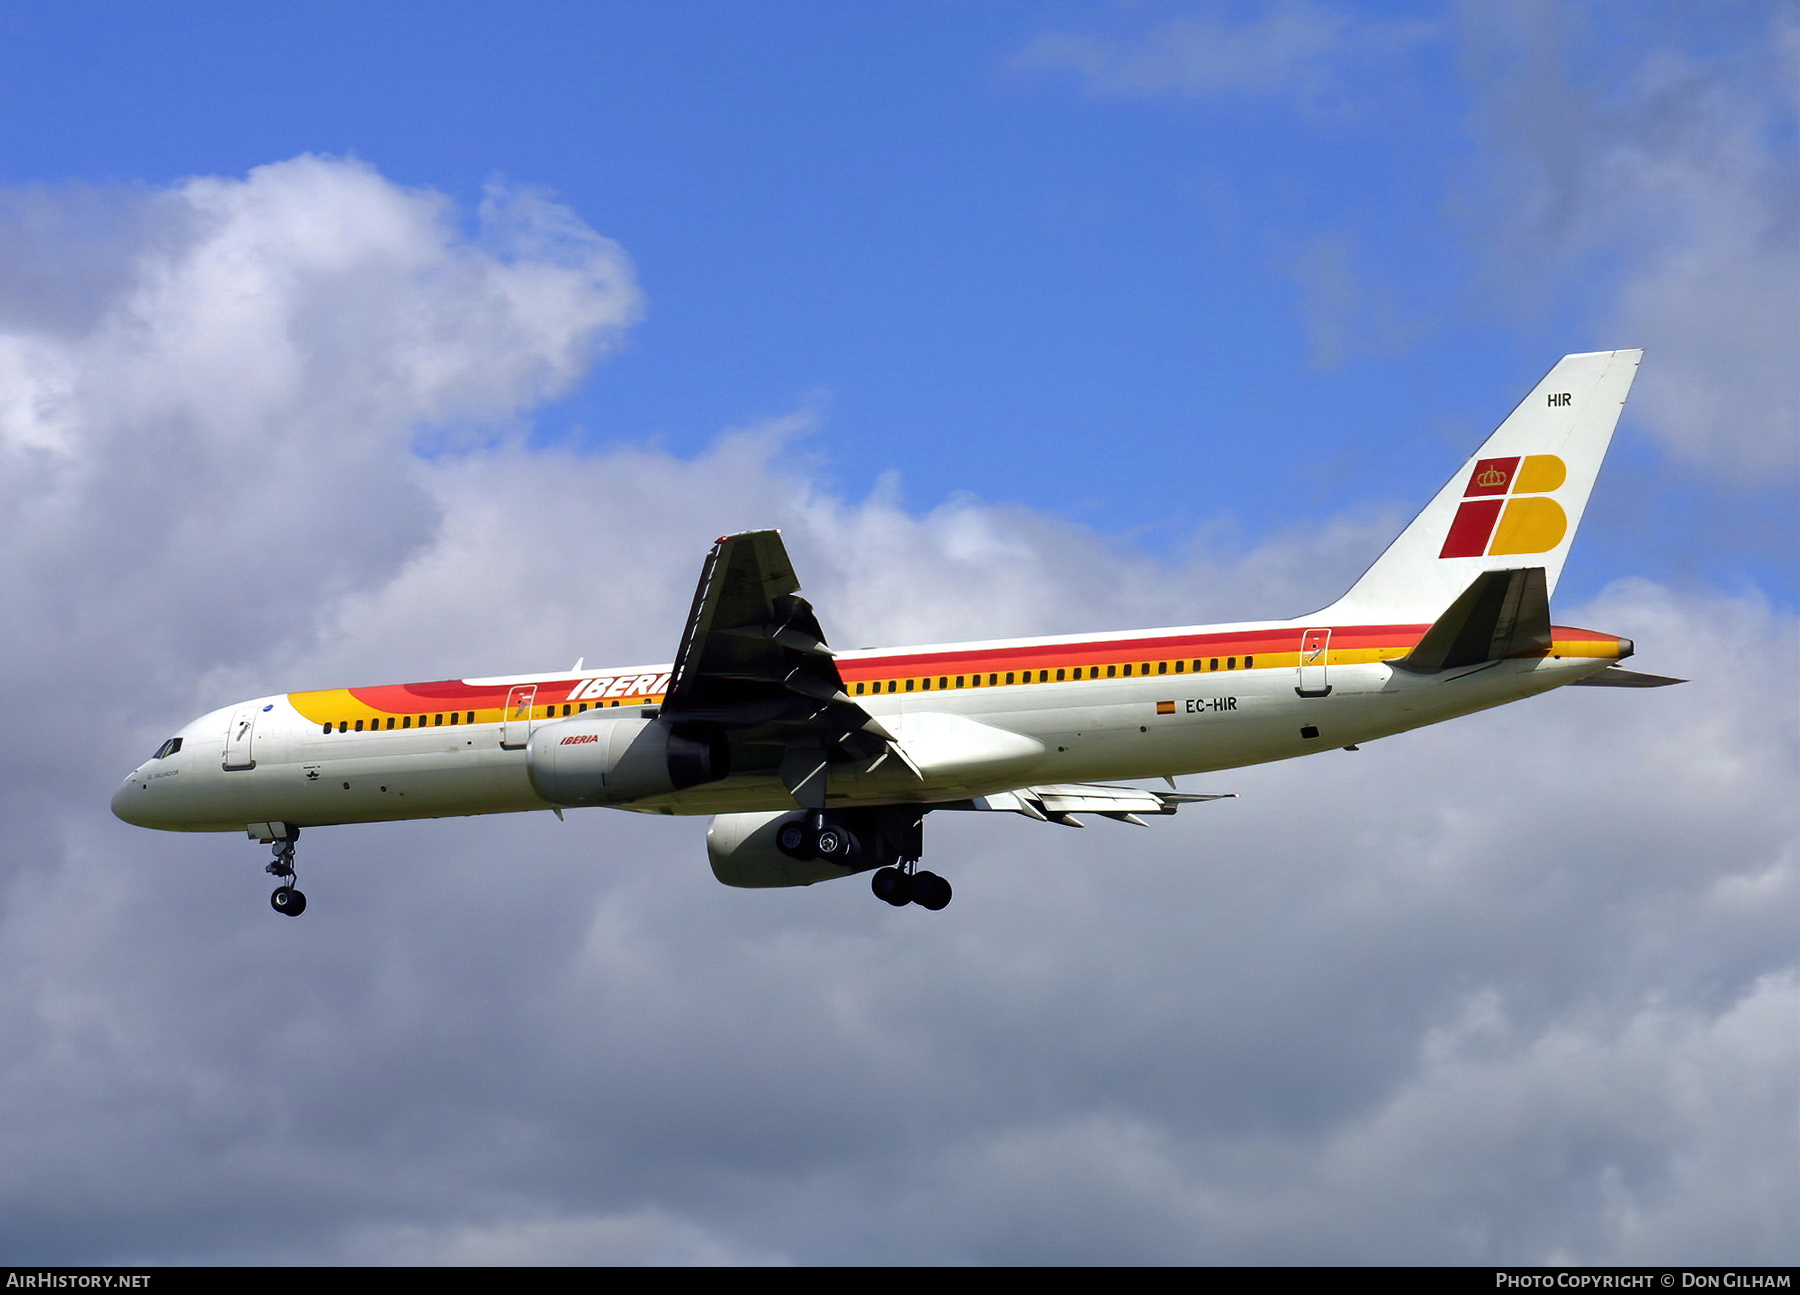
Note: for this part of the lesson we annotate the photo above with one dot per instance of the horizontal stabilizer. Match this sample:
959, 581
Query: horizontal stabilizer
1614, 677
1501, 614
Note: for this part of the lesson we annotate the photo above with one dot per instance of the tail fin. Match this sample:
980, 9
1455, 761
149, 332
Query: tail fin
1517, 501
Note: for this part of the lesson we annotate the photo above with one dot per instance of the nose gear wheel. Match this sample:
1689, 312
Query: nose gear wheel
286, 899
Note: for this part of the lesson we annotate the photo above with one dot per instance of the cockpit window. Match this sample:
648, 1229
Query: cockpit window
167, 749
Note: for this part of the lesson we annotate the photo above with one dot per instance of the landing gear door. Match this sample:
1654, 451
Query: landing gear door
515, 722
239, 739
1314, 649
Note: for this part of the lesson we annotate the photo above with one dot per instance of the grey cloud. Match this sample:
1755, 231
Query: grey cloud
1516, 988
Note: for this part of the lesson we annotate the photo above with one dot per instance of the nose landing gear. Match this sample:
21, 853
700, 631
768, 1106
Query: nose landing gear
286, 899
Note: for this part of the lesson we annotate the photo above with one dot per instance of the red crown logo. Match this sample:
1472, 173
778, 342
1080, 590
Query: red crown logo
1492, 477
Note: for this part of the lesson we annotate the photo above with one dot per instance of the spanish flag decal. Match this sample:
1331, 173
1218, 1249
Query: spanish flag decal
1506, 509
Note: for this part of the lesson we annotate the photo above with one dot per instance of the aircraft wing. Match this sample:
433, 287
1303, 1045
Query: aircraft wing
753, 663
1059, 802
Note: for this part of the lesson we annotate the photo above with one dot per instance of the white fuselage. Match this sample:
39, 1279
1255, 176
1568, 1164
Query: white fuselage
964, 742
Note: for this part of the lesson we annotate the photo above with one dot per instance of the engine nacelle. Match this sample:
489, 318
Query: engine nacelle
743, 852
612, 760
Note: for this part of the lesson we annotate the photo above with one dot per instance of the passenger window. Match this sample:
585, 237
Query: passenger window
859, 690
1231, 663
359, 724
328, 726
891, 683
565, 710
406, 721
1009, 676
440, 719
995, 678
1144, 670
1162, 667
1128, 669
909, 685
1044, 676
390, 722
959, 681
1111, 671
1215, 663
1059, 675
1249, 663
581, 708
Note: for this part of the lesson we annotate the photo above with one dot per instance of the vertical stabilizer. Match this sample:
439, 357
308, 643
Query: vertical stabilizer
1515, 504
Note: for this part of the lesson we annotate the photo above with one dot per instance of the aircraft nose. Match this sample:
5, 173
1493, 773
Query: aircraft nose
128, 802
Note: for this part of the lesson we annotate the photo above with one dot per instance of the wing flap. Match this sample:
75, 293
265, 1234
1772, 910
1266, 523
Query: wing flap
1059, 802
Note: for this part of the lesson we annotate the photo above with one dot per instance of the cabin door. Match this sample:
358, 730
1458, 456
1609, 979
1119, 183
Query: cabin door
239, 739
1314, 649
515, 721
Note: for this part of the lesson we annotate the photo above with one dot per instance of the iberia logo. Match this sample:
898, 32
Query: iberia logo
1514, 493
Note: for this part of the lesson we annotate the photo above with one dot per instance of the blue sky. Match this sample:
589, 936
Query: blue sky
986, 258
354, 344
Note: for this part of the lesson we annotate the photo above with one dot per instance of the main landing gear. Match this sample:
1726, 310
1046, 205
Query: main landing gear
889, 839
286, 899
900, 888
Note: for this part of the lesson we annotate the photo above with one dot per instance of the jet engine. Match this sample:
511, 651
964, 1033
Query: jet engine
612, 760
748, 850
742, 850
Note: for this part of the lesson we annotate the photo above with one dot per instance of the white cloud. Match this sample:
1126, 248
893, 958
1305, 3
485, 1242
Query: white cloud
1345, 314
1633, 175
1660, 185
1527, 977
1293, 48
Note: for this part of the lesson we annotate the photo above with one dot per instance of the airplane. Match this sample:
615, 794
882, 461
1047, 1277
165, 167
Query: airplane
817, 764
